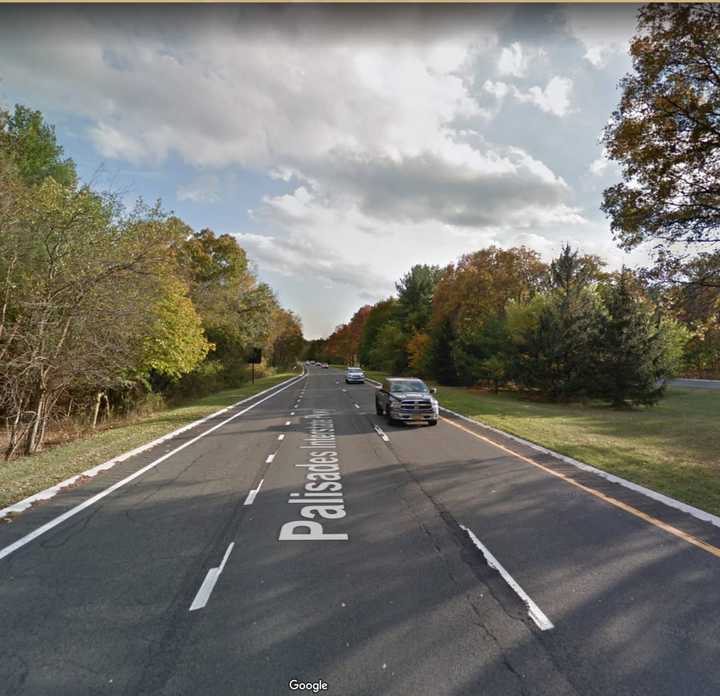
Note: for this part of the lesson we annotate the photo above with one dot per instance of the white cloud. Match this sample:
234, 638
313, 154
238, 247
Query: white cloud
466, 183
516, 59
498, 89
599, 166
553, 99
513, 61
227, 93
298, 255
602, 33
115, 144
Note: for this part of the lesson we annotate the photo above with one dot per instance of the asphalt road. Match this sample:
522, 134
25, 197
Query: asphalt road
391, 596
695, 383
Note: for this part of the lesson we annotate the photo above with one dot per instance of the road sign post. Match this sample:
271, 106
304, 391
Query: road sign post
254, 357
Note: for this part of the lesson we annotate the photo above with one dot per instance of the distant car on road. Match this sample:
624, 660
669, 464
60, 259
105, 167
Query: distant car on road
407, 399
354, 375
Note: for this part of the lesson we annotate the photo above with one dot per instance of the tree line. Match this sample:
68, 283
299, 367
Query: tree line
105, 309
566, 330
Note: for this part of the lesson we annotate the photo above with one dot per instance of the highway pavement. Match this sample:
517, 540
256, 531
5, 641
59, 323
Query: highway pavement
299, 543
687, 383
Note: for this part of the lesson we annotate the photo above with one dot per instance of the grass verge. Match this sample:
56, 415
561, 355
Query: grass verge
673, 448
22, 477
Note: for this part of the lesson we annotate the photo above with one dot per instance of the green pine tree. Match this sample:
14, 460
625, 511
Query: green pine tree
441, 353
557, 353
632, 347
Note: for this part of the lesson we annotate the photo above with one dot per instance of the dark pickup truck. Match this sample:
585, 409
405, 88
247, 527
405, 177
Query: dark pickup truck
407, 399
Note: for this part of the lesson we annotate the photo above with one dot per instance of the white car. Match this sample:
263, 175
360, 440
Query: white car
354, 375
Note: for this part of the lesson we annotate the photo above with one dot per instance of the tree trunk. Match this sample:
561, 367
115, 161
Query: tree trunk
108, 408
98, 400
36, 430
13, 437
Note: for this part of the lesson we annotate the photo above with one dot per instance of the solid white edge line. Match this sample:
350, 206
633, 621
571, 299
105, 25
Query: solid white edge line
534, 611
648, 492
253, 492
111, 489
51, 492
203, 594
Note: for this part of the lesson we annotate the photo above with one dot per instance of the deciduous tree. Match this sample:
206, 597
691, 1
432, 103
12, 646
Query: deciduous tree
665, 133
32, 146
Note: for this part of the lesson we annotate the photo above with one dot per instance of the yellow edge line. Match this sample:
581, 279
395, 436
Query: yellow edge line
714, 550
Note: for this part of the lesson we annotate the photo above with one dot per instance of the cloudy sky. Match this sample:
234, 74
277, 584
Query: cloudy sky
340, 145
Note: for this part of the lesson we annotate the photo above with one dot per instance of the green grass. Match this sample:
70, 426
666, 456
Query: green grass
25, 476
673, 448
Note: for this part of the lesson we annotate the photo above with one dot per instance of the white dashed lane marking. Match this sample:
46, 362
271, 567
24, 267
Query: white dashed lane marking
253, 492
381, 433
203, 595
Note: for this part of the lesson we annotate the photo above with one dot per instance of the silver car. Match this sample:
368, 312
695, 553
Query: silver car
354, 375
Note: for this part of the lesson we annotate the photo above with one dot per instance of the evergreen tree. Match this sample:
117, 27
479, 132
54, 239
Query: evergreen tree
558, 351
441, 353
475, 344
381, 313
415, 292
388, 353
632, 349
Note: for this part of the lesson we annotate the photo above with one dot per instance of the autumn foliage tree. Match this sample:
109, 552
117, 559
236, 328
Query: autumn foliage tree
469, 304
665, 135
285, 345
